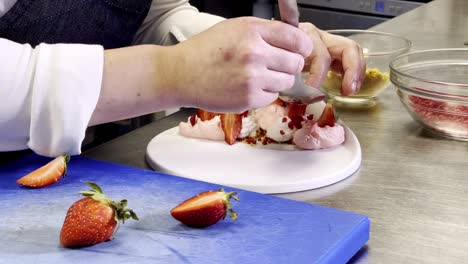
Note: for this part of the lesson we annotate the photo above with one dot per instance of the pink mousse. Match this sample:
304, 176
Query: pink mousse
311, 136
210, 129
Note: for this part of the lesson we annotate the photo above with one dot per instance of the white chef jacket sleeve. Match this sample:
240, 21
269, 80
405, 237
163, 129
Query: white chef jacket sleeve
48, 95
172, 21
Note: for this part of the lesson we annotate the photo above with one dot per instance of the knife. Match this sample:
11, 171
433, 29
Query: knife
299, 92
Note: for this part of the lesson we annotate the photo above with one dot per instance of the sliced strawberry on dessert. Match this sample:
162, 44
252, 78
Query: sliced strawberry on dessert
205, 209
244, 114
327, 118
193, 120
295, 112
279, 102
205, 115
93, 219
47, 174
231, 124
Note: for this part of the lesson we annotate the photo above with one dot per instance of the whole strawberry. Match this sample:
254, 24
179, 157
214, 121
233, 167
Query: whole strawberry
205, 209
93, 219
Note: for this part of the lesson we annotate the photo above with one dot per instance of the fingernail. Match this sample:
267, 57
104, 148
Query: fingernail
355, 86
358, 87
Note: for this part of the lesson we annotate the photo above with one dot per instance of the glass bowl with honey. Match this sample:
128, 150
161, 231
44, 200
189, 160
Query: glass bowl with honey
379, 49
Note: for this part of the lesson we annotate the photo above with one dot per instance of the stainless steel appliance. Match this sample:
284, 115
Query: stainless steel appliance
352, 14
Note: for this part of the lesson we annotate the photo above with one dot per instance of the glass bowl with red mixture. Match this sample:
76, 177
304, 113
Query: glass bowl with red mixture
433, 87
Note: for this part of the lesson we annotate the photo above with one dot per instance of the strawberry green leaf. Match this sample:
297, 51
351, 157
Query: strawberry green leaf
88, 193
94, 186
121, 212
133, 215
123, 203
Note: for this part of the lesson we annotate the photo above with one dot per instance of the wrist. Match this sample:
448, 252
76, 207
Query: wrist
171, 75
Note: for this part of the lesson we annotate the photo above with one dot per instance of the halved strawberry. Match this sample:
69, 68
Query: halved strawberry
47, 174
327, 118
205, 209
93, 219
205, 115
295, 112
193, 120
279, 102
232, 125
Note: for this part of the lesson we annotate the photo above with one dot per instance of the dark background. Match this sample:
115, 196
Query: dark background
224, 8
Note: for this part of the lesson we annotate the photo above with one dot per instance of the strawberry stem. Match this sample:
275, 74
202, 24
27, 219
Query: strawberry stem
233, 214
121, 212
230, 195
66, 159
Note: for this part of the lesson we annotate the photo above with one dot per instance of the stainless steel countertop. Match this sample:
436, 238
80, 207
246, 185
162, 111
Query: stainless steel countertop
412, 185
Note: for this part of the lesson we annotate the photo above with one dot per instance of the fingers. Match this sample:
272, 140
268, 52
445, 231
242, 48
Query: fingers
275, 82
337, 66
354, 70
284, 36
264, 99
352, 61
285, 61
342, 54
289, 12
319, 61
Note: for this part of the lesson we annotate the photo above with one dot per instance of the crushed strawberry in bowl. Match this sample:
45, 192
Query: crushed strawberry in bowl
443, 117
433, 87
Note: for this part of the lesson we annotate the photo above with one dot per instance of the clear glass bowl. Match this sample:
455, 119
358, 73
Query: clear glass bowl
433, 87
379, 49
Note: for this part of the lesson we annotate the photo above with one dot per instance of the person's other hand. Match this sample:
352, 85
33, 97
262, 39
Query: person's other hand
337, 53
239, 64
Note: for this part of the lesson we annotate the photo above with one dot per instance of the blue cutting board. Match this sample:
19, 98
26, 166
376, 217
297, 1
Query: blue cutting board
269, 229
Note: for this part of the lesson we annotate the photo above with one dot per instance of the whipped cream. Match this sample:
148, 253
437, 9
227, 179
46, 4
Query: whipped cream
209, 129
273, 119
315, 109
249, 127
311, 136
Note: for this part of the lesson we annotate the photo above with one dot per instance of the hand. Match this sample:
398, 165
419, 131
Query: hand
337, 53
239, 64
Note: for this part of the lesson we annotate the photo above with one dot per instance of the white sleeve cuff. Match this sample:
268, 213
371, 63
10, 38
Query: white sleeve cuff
169, 25
190, 24
65, 89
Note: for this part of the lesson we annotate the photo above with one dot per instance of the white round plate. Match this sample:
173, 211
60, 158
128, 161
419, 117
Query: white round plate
265, 169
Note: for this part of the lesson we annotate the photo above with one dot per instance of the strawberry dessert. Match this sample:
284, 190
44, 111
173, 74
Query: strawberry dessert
307, 126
